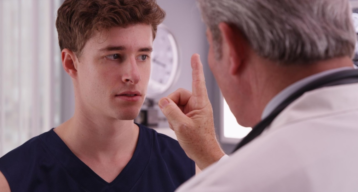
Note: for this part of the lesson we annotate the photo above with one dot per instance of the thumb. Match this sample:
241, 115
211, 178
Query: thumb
172, 112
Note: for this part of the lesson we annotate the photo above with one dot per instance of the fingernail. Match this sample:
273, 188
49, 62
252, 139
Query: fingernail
163, 102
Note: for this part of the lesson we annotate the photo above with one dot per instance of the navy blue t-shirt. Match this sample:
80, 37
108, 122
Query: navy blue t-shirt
46, 164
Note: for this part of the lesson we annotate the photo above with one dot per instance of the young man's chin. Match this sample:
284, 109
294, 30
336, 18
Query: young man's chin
127, 115
125, 112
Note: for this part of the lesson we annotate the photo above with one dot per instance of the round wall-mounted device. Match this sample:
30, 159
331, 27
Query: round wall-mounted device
355, 23
165, 62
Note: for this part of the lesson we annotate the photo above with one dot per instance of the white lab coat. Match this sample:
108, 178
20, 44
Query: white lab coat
312, 146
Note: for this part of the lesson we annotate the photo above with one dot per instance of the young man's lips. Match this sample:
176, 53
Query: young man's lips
129, 96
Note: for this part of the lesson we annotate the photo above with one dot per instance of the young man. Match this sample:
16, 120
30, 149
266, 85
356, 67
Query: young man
106, 47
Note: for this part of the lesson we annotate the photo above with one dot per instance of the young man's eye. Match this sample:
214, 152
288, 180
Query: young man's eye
113, 57
143, 57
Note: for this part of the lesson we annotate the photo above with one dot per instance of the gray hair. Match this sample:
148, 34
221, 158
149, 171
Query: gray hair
286, 31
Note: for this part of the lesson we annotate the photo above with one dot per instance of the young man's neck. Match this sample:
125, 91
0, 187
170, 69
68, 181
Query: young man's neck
99, 138
104, 146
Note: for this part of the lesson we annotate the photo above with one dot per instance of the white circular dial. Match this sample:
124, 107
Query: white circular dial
164, 62
355, 21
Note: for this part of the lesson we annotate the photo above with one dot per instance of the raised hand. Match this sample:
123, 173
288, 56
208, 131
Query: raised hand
190, 115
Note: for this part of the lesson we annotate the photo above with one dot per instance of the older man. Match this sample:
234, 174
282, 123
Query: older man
284, 66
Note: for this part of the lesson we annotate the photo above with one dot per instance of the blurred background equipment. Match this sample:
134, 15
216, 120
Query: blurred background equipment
148, 115
165, 63
355, 22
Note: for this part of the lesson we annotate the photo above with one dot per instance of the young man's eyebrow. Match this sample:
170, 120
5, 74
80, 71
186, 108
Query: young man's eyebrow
113, 48
146, 49
121, 48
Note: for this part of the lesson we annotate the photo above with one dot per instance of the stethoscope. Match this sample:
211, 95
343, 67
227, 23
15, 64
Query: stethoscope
338, 78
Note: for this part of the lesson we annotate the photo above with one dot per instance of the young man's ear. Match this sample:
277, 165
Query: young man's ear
237, 46
69, 62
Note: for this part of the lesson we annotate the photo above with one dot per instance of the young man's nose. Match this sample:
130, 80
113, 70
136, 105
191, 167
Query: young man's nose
131, 74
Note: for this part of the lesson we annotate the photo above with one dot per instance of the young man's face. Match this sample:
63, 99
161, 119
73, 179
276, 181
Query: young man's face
114, 70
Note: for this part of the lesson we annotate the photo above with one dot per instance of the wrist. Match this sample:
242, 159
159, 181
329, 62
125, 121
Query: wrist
212, 157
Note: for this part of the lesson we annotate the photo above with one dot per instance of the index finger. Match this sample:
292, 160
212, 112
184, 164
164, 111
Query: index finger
199, 87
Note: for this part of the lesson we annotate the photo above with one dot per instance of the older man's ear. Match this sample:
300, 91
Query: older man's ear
234, 46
